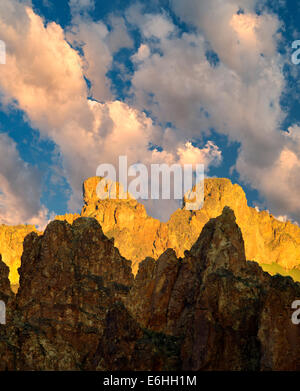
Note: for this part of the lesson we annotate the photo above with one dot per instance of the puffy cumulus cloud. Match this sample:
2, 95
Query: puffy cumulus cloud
238, 38
174, 80
209, 155
238, 95
98, 44
151, 25
156, 26
20, 188
43, 73
118, 37
44, 77
279, 183
245, 26
142, 54
97, 58
195, 96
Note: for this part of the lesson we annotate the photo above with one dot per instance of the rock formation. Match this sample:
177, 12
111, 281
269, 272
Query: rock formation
7, 334
267, 240
69, 278
79, 306
275, 245
229, 314
11, 247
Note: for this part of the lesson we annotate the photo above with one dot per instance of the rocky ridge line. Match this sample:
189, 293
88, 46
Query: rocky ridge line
267, 240
80, 308
275, 245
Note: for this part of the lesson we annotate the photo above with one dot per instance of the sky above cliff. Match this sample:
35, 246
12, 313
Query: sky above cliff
166, 81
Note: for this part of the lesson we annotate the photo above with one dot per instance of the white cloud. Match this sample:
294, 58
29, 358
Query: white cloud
151, 25
45, 76
20, 188
156, 26
239, 97
142, 54
118, 37
209, 155
97, 59
173, 79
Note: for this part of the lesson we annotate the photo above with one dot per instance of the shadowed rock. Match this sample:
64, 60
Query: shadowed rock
79, 307
224, 308
69, 278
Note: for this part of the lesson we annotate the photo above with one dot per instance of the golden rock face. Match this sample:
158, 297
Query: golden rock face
11, 247
267, 241
275, 245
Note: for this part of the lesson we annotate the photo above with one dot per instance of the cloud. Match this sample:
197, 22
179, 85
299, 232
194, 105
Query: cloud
97, 59
174, 80
279, 182
44, 77
238, 96
151, 25
142, 54
43, 73
118, 37
20, 188
81, 6
209, 155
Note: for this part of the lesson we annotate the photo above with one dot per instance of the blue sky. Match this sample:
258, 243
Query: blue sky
217, 76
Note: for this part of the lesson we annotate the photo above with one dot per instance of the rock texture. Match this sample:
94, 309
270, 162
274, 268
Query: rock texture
275, 245
80, 308
68, 312
11, 247
229, 314
137, 236
69, 278
7, 333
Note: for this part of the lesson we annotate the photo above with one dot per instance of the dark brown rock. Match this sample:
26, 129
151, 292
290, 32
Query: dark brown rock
79, 307
7, 334
229, 313
70, 277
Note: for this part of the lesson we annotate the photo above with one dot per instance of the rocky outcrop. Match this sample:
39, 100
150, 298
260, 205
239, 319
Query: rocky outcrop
268, 241
70, 276
134, 232
229, 314
125, 345
5, 290
80, 308
7, 333
11, 247
275, 245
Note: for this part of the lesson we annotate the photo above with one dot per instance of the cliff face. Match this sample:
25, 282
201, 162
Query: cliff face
69, 278
137, 236
69, 305
79, 306
229, 314
11, 247
273, 244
